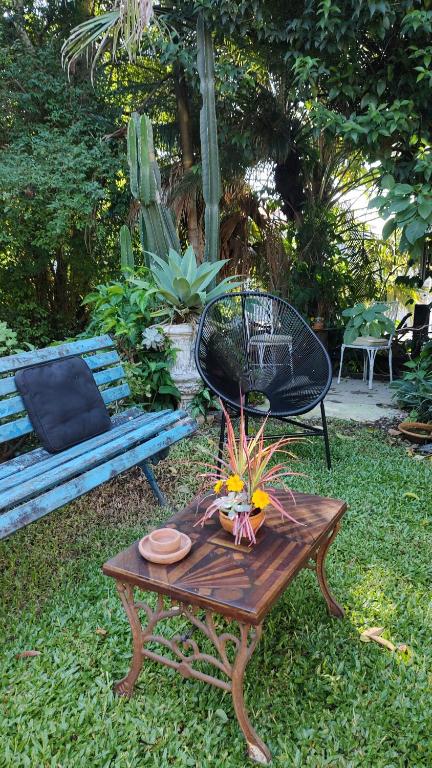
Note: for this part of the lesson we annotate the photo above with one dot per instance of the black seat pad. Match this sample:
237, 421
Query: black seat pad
63, 402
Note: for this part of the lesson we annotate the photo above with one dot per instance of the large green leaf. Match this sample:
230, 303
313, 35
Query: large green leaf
415, 230
182, 288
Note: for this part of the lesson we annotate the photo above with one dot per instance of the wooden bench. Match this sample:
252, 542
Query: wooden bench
37, 482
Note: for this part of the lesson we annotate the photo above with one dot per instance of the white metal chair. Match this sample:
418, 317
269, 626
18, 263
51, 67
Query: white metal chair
370, 349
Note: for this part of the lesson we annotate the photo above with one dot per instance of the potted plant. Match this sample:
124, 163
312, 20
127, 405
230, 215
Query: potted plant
318, 323
414, 392
185, 287
367, 324
243, 485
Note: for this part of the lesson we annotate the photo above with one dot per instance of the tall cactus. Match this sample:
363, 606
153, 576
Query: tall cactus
209, 140
126, 250
157, 230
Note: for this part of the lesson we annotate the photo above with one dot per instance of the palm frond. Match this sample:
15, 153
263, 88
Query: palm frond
126, 24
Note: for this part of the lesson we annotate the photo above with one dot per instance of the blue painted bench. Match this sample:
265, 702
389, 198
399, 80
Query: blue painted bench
35, 483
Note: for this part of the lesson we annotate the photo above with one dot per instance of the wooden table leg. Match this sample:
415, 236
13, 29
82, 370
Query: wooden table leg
334, 608
257, 750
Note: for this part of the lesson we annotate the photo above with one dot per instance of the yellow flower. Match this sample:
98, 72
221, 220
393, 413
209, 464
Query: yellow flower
217, 486
260, 499
235, 483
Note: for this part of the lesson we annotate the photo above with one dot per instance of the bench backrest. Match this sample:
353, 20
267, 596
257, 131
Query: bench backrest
101, 357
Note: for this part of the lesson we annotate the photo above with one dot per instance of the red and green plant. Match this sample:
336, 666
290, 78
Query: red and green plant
244, 482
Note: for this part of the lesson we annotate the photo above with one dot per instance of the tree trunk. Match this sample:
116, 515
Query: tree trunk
185, 126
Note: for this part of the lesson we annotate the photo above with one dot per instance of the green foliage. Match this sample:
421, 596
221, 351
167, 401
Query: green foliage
122, 308
406, 207
184, 284
414, 390
125, 309
202, 402
367, 321
8, 340
59, 201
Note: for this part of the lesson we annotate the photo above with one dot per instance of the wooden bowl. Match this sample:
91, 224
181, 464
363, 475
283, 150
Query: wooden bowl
411, 429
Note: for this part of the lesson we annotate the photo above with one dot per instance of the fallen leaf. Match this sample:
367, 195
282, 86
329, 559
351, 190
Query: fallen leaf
374, 635
222, 715
27, 654
101, 631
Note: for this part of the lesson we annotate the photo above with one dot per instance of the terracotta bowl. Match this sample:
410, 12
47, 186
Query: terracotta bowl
411, 429
165, 540
148, 551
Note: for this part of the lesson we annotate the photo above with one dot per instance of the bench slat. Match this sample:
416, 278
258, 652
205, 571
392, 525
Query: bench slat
23, 359
115, 393
8, 386
109, 374
27, 459
23, 426
28, 512
49, 461
87, 460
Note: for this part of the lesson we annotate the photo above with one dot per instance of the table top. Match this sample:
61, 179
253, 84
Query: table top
240, 582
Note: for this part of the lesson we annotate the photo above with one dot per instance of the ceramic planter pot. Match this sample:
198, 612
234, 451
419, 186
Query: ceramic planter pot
184, 371
416, 431
256, 521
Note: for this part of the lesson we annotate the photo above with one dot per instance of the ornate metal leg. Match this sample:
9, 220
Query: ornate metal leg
125, 686
334, 608
257, 750
185, 654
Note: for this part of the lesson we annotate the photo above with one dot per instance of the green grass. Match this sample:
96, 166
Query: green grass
315, 692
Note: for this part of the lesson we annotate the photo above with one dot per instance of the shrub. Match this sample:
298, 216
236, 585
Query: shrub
125, 310
413, 391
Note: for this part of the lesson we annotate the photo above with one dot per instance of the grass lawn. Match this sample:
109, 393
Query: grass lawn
316, 694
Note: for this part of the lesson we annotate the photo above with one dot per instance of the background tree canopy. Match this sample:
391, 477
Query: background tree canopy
313, 100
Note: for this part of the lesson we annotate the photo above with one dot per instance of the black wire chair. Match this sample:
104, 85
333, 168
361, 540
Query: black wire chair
255, 342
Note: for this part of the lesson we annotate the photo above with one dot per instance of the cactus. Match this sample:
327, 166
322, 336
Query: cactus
209, 140
126, 250
157, 230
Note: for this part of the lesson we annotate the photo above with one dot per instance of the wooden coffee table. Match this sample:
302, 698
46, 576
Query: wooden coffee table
218, 577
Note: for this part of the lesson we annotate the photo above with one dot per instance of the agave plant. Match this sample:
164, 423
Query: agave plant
184, 284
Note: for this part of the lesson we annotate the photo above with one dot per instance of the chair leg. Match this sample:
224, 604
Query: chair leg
221, 440
325, 435
246, 415
391, 364
371, 356
341, 361
148, 472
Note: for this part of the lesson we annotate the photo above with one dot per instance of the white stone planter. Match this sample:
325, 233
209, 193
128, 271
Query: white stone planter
184, 371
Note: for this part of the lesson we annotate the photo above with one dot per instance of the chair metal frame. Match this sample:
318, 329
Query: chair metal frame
304, 430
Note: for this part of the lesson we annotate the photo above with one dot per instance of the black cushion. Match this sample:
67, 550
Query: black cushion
63, 402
